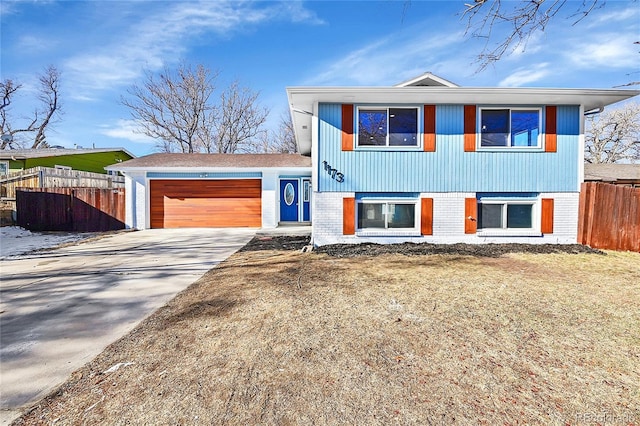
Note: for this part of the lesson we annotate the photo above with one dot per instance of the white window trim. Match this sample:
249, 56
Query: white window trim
537, 148
419, 130
6, 163
390, 232
534, 231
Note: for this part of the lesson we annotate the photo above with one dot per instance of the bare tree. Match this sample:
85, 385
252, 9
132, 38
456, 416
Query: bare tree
174, 106
49, 96
179, 109
614, 135
8, 88
43, 116
285, 139
240, 119
279, 141
522, 18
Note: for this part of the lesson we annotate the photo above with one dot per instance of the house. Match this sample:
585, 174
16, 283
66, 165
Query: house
167, 190
88, 160
617, 174
54, 168
429, 161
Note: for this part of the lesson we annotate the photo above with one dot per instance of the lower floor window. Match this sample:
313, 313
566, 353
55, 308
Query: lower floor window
505, 215
386, 215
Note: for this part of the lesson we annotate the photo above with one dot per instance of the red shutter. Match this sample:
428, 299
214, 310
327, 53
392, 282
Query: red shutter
347, 127
546, 226
469, 128
470, 215
426, 216
429, 128
348, 216
551, 138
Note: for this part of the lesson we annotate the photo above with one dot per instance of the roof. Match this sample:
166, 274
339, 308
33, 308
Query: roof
430, 89
163, 161
427, 79
22, 154
612, 172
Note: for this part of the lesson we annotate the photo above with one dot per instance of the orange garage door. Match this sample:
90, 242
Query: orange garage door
206, 203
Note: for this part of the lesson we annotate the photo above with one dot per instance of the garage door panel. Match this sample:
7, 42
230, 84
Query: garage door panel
206, 203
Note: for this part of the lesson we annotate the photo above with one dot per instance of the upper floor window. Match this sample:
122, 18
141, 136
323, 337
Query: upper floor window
4, 168
387, 127
510, 127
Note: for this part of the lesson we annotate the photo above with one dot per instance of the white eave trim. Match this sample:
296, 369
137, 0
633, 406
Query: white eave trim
213, 169
301, 97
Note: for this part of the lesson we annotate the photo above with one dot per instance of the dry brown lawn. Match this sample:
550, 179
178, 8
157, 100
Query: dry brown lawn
283, 337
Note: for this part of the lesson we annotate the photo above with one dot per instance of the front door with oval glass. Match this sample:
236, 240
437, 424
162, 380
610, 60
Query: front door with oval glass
289, 200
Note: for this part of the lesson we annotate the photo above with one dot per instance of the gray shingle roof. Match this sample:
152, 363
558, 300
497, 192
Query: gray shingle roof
166, 161
611, 172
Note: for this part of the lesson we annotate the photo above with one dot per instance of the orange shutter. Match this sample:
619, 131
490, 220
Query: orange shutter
550, 138
348, 216
429, 128
426, 216
470, 215
546, 226
469, 128
347, 127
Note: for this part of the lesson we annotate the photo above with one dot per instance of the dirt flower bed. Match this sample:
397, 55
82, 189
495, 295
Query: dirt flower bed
274, 336
412, 249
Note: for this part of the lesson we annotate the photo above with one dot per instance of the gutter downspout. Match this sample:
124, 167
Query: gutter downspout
594, 111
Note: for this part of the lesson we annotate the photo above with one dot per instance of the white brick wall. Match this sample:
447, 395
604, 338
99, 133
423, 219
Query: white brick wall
448, 221
327, 218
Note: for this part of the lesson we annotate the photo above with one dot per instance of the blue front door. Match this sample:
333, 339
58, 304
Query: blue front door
289, 200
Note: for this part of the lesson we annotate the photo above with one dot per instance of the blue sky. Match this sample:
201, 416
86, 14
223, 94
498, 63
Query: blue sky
102, 47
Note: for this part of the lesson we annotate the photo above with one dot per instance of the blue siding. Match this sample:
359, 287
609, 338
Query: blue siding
450, 169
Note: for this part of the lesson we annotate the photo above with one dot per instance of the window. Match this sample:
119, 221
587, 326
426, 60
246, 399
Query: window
384, 215
505, 214
289, 194
509, 127
4, 168
306, 191
387, 127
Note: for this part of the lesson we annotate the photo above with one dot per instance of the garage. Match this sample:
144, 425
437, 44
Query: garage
201, 203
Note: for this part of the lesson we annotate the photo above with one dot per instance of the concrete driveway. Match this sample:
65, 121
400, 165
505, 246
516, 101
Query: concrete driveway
61, 308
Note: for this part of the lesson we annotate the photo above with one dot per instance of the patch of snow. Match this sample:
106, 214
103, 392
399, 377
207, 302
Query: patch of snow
15, 241
117, 366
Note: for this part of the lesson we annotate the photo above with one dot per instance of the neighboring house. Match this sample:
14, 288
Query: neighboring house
216, 190
88, 160
428, 161
617, 174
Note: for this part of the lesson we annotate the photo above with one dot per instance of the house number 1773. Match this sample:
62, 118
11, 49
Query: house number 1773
334, 173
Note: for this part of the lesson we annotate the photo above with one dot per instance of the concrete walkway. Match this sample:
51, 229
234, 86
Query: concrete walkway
61, 308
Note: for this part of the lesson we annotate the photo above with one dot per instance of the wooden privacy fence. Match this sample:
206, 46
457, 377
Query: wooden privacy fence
609, 216
47, 177
70, 209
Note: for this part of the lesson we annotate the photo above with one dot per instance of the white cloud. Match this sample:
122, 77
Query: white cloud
604, 51
126, 129
163, 34
526, 75
596, 18
390, 60
32, 44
